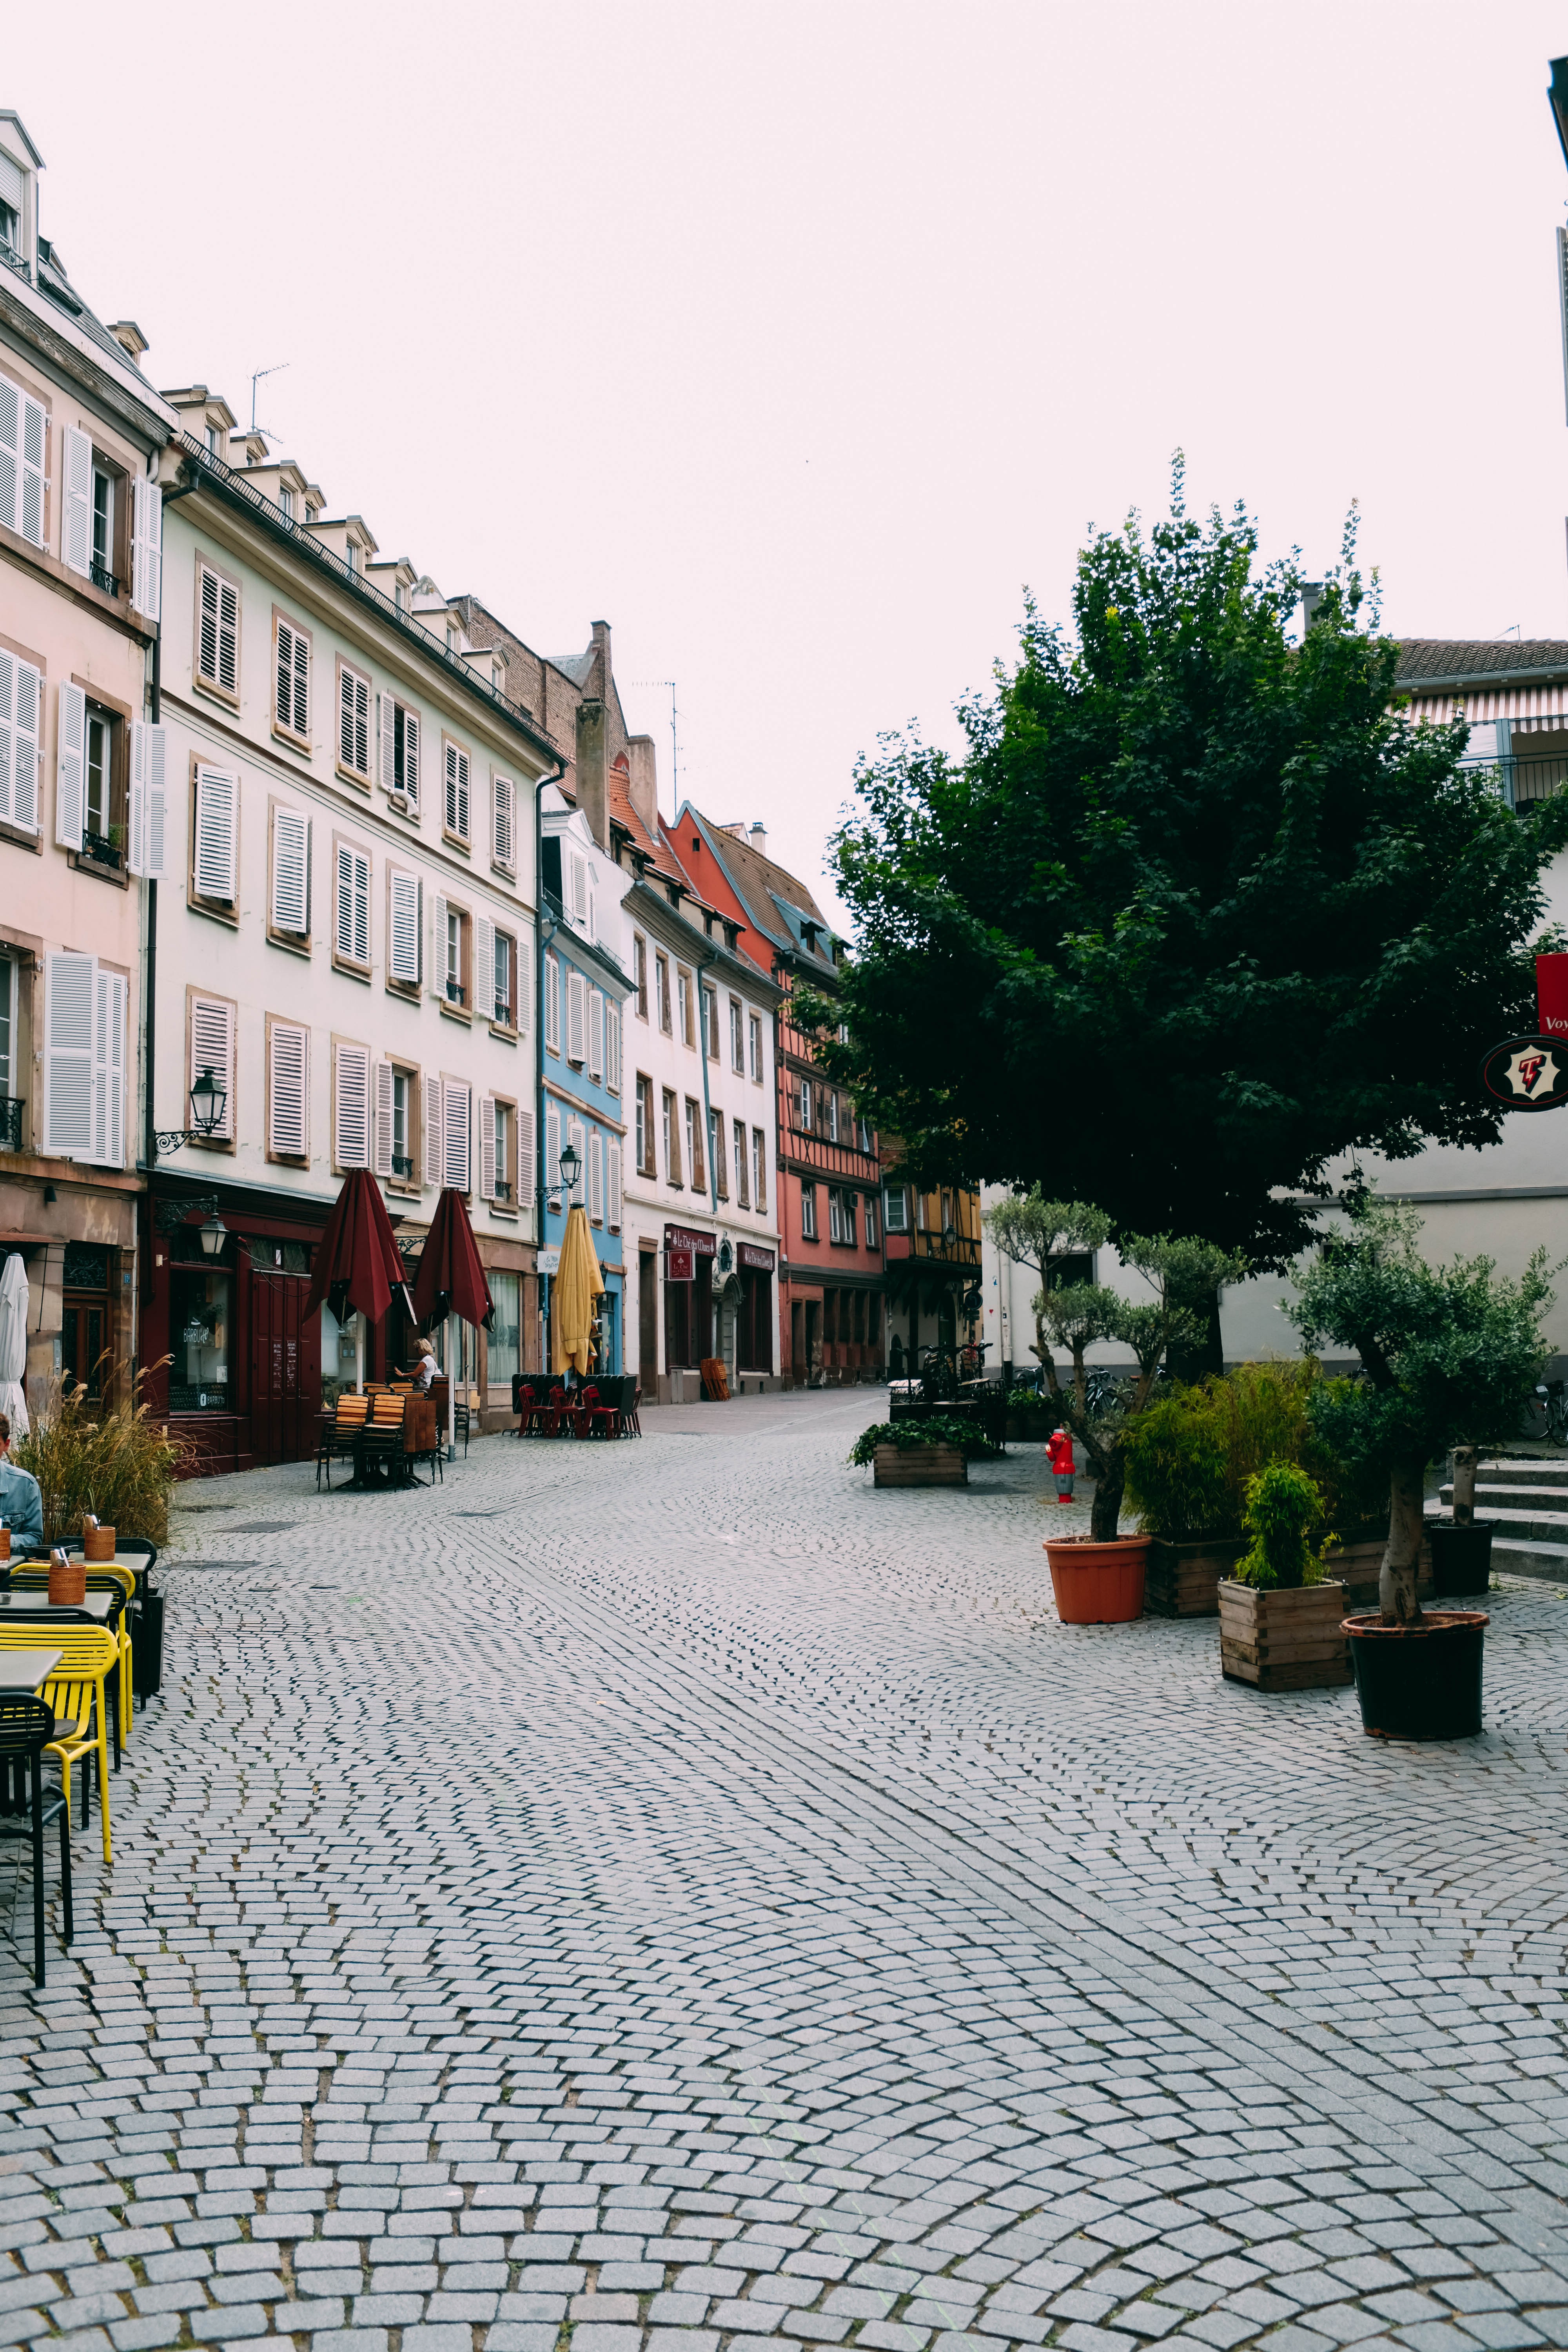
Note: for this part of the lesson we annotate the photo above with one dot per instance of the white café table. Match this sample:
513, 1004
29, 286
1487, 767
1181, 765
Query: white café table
26, 1670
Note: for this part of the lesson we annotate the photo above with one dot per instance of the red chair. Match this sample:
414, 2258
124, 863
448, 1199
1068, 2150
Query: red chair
549, 1414
581, 1410
529, 1411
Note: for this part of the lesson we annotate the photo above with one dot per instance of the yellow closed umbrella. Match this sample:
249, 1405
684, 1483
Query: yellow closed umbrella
578, 1285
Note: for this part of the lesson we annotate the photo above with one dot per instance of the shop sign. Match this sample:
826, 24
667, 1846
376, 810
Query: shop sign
752, 1255
549, 1261
699, 1244
680, 1265
1527, 1074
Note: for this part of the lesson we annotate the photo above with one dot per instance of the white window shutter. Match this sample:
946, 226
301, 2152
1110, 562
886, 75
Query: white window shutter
455, 1102
525, 1178
101, 1029
287, 1090
613, 1046
350, 1107
595, 1033
291, 855
438, 947
458, 791
596, 1178
487, 1147
482, 995
283, 682
33, 443
346, 717
576, 1016
504, 805
147, 548
403, 954
21, 704
614, 1217
118, 993
216, 825
579, 887
70, 768
10, 452
522, 1008
430, 1122
411, 757
386, 742
362, 906
552, 1003
212, 1048
552, 1147
76, 536
384, 1118
69, 1020
149, 812
344, 928
577, 1137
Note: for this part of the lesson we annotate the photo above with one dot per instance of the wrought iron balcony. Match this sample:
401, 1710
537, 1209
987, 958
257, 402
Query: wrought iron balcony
104, 579
402, 1164
102, 850
503, 1190
11, 1122
456, 992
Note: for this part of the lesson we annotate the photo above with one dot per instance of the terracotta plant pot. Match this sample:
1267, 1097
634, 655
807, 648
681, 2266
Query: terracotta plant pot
68, 1583
1099, 1583
98, 1543
1421, 1681
5, 1543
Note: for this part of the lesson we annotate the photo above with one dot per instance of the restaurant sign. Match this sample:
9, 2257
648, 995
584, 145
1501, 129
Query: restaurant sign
749, 1255
700, 1244
678, 1264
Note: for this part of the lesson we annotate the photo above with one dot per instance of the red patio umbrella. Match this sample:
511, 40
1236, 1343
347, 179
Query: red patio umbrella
451, 1281
357, 1263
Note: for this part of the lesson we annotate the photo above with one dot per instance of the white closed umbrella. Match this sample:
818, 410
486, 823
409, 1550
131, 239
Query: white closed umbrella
13, 1344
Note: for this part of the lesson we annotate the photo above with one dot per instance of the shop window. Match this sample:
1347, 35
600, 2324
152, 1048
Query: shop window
504, 1358
201, 1320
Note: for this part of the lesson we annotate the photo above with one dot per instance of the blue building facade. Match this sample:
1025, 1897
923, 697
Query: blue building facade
583, 993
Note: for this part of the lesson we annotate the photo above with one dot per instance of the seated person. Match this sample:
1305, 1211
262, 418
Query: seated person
426, 1370
21, 1505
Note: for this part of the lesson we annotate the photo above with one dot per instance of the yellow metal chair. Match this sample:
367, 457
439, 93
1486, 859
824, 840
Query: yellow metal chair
104, 1576
78, 1693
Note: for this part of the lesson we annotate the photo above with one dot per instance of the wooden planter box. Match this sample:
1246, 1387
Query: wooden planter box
1283, 1641
919, 1466
1183, 1579
1357, 1566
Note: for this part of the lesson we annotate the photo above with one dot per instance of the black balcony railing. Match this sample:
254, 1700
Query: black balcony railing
11, 1122
956, 1249
105, 579
503, 1190
102, 850
456, 992
402, 1165
1523, 780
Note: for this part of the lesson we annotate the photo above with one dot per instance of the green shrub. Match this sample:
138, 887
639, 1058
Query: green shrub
1282, 1503
971, 1440
114, 1461
1178, 1470
1191, 1457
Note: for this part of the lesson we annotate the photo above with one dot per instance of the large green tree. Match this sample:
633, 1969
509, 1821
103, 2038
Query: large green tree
1198, 911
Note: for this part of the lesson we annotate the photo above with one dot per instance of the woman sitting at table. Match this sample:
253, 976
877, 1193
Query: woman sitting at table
21, 1504
426, 1370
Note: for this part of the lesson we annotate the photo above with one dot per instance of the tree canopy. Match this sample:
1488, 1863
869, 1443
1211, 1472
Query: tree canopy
1198, 911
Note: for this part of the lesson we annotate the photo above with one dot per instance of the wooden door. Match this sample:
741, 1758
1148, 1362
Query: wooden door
647, 1324
285, 1369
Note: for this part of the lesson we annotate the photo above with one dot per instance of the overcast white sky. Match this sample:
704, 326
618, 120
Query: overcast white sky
793, 340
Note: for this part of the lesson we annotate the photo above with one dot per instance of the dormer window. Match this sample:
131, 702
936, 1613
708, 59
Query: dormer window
10, 220
400, 596
212, 441
353, 557
285, 501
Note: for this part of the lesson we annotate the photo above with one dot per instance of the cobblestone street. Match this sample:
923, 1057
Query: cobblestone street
673, 1894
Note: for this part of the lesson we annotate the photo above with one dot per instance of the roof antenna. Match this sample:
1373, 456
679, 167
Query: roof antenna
1511, 630
256, 379
674, 740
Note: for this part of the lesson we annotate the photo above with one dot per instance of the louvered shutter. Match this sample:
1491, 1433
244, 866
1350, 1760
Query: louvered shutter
487, 1147
525, 1177
354, 907
283, 697
69, 1019
147, 548
596, 1178
31, 522
212, 1048
552, 1147
403, 961
75, 535
350, 1107
438, 947
218, 644
522, 963
577, 1137
118, 997
148, 825
287, 1090
348, 731
430, 1122
216, 815
384, 1097
21, 702
576, 1016
411, 756
614, 1217
100, 1026
456, 792
454, 1101
291, 859
10, 451
70, 768
504, 801
597, 1033
387, 742
483, 994
551, 1004
8, 668
579, 888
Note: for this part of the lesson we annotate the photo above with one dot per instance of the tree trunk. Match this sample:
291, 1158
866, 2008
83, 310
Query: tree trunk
1464, 1485
1198, 1359
1407, 1525
1106, 1508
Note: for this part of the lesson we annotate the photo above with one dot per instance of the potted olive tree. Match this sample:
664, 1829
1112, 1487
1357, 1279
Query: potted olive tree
1450, 1355
1100, 1578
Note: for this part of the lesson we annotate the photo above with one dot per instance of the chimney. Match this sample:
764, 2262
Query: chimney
642, 783
599, 678
593, 771
759, 839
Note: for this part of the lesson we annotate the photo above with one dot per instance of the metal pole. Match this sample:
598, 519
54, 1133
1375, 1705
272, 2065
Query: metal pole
359, 1355
451, 1389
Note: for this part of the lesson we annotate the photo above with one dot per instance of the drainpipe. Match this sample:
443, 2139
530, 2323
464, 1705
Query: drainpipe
707, 1114
545, 936
150, 1022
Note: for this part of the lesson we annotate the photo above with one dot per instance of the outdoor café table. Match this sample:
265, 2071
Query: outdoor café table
21, 1602
26, 1670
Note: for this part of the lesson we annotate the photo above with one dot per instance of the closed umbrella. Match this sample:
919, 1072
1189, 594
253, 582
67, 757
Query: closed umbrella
13, 1344
357, 1265
451, 1281
578, 1283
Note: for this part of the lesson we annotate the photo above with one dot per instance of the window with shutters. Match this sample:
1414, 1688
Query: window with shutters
804, 1118
398, 750
553, 1004
217, 631
21, 713
90, 779
287, 1090
455, 815
24, 449
498, 1152
92, 512
404, 1093
404, 929
211, 1023
759, 1170
808, 1212
215, 840
596, 1009
716, 1154
290, 681
694, 1145
457, 1098
737, 1036
503, 805
504, 1015
452, 943
351, 1105
613, 1047
683, 992
832, 1101
639, 973
354, 724
576, 1018
672, 1141
756, 1042
871, 1220
350, 912
710, 1020
643, 1131
289, 877
595, 1177
661, 990
742, 1191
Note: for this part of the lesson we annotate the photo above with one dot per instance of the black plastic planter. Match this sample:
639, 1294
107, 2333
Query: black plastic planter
1421, 1681
1461, 1559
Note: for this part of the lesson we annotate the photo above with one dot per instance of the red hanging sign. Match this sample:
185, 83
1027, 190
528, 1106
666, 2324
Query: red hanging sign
678, 1265
1552, 995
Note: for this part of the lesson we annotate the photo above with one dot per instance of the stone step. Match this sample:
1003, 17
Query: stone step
1527, 1526
1518, 1497
1525, 1470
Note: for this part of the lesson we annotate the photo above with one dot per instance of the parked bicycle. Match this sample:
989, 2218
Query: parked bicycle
1554, 1400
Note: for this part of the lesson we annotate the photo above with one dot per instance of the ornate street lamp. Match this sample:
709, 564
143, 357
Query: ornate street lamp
558, 1198
209, 1098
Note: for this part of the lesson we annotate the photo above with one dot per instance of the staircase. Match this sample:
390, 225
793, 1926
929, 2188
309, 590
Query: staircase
1524, 1497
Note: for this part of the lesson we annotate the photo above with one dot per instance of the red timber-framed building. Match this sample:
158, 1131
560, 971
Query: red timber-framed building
832, 1276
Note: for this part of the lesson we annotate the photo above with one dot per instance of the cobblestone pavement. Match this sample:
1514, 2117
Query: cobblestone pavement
671, 1895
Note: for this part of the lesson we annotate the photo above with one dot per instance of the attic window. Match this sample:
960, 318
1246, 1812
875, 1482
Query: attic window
695, 842
285, 501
